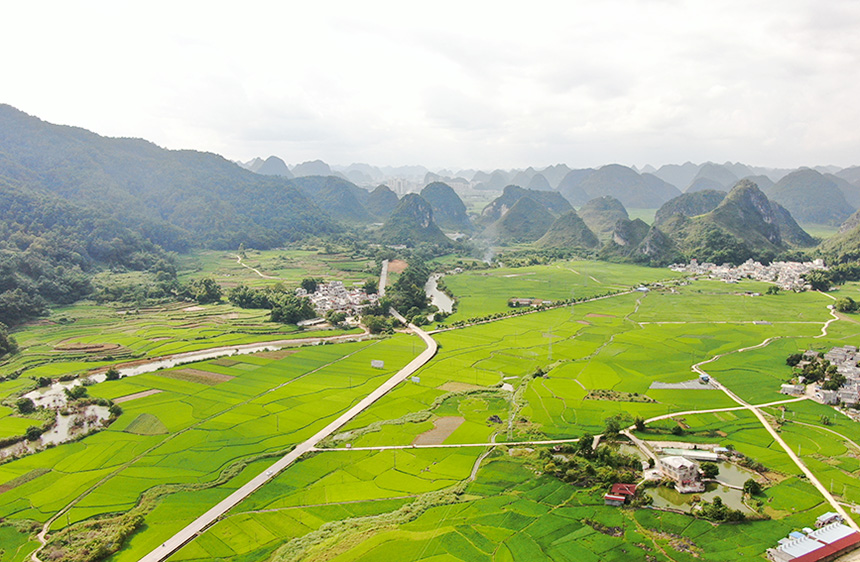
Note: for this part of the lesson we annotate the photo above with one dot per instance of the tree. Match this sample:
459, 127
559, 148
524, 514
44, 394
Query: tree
205, 290
639, 422
370, 287
75, 392
825, 420
846, 304
376, 324
793, 359
335, 317
8, 345
819, 280
752, 488
710, 470
33, 433
25, 406
772, 290
613, 426
112, 374
310, 284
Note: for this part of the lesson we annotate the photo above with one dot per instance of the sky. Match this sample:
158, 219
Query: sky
455, 85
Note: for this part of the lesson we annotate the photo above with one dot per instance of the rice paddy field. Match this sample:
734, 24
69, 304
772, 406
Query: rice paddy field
485, 292
87, 336
287, 266
414, 476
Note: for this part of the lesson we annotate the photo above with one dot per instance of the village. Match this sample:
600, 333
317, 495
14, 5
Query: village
334, 296
787, 275
846, 374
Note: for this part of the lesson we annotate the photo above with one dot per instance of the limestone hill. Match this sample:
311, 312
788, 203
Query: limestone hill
569, 231
811, 197
449, 212
601, 214
411, 223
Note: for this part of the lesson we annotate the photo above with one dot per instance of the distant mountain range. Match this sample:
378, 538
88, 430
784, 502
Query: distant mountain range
179, 199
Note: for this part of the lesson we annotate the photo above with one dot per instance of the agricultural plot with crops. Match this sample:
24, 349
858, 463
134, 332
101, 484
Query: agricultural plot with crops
452, 464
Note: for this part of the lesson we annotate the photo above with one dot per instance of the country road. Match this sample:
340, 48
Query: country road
176, 542
837, 507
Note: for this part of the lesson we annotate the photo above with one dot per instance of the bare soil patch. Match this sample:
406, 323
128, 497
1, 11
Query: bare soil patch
196, 375
87, 347
596, 315
142, 394
584, 322
443, 428
193, 309
279, 354
397, 266
225, 362
453, 386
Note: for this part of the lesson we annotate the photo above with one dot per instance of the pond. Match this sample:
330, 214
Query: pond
671, 498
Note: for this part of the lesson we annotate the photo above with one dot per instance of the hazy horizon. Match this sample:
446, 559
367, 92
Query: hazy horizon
481, 86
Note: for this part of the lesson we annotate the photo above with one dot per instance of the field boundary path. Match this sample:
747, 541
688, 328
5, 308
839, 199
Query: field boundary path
837, 507
200, 524
257, 271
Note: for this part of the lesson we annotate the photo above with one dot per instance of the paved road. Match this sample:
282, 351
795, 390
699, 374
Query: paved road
201, 523
776, 437
383, 279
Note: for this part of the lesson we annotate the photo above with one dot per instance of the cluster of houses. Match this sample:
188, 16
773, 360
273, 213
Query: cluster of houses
334, 296
845, 359
828, 541
788, 275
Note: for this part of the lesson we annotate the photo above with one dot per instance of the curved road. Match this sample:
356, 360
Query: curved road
176, 542
837, 507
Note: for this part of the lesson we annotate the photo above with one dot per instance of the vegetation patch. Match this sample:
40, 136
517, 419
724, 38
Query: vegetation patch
196, 375
23, 479
146, 424
616, 396
279, 354
442, 429
136, 395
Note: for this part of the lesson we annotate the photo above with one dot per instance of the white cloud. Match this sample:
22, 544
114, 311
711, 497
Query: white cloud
467, 84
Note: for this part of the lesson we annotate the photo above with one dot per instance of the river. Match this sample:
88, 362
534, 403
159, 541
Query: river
442, 301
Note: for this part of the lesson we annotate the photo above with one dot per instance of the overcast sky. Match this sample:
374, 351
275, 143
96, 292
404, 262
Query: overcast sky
450, 84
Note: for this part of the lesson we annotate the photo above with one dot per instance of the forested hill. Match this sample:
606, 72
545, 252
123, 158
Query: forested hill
49, 249
175, 198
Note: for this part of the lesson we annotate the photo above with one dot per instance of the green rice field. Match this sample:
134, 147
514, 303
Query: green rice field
393, 484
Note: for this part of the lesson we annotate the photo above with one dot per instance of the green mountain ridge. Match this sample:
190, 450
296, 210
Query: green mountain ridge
552, 201
601, 214
811, 197
381, 202
526, 221
449, 211
569, 231
411, 223
215, 202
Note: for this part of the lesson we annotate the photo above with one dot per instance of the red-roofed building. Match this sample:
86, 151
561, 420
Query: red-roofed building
822, 545
610, 499
623, 490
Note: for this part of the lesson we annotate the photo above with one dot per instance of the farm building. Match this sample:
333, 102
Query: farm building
613, 500
827, 519
684, 472
821, 545
792, 389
